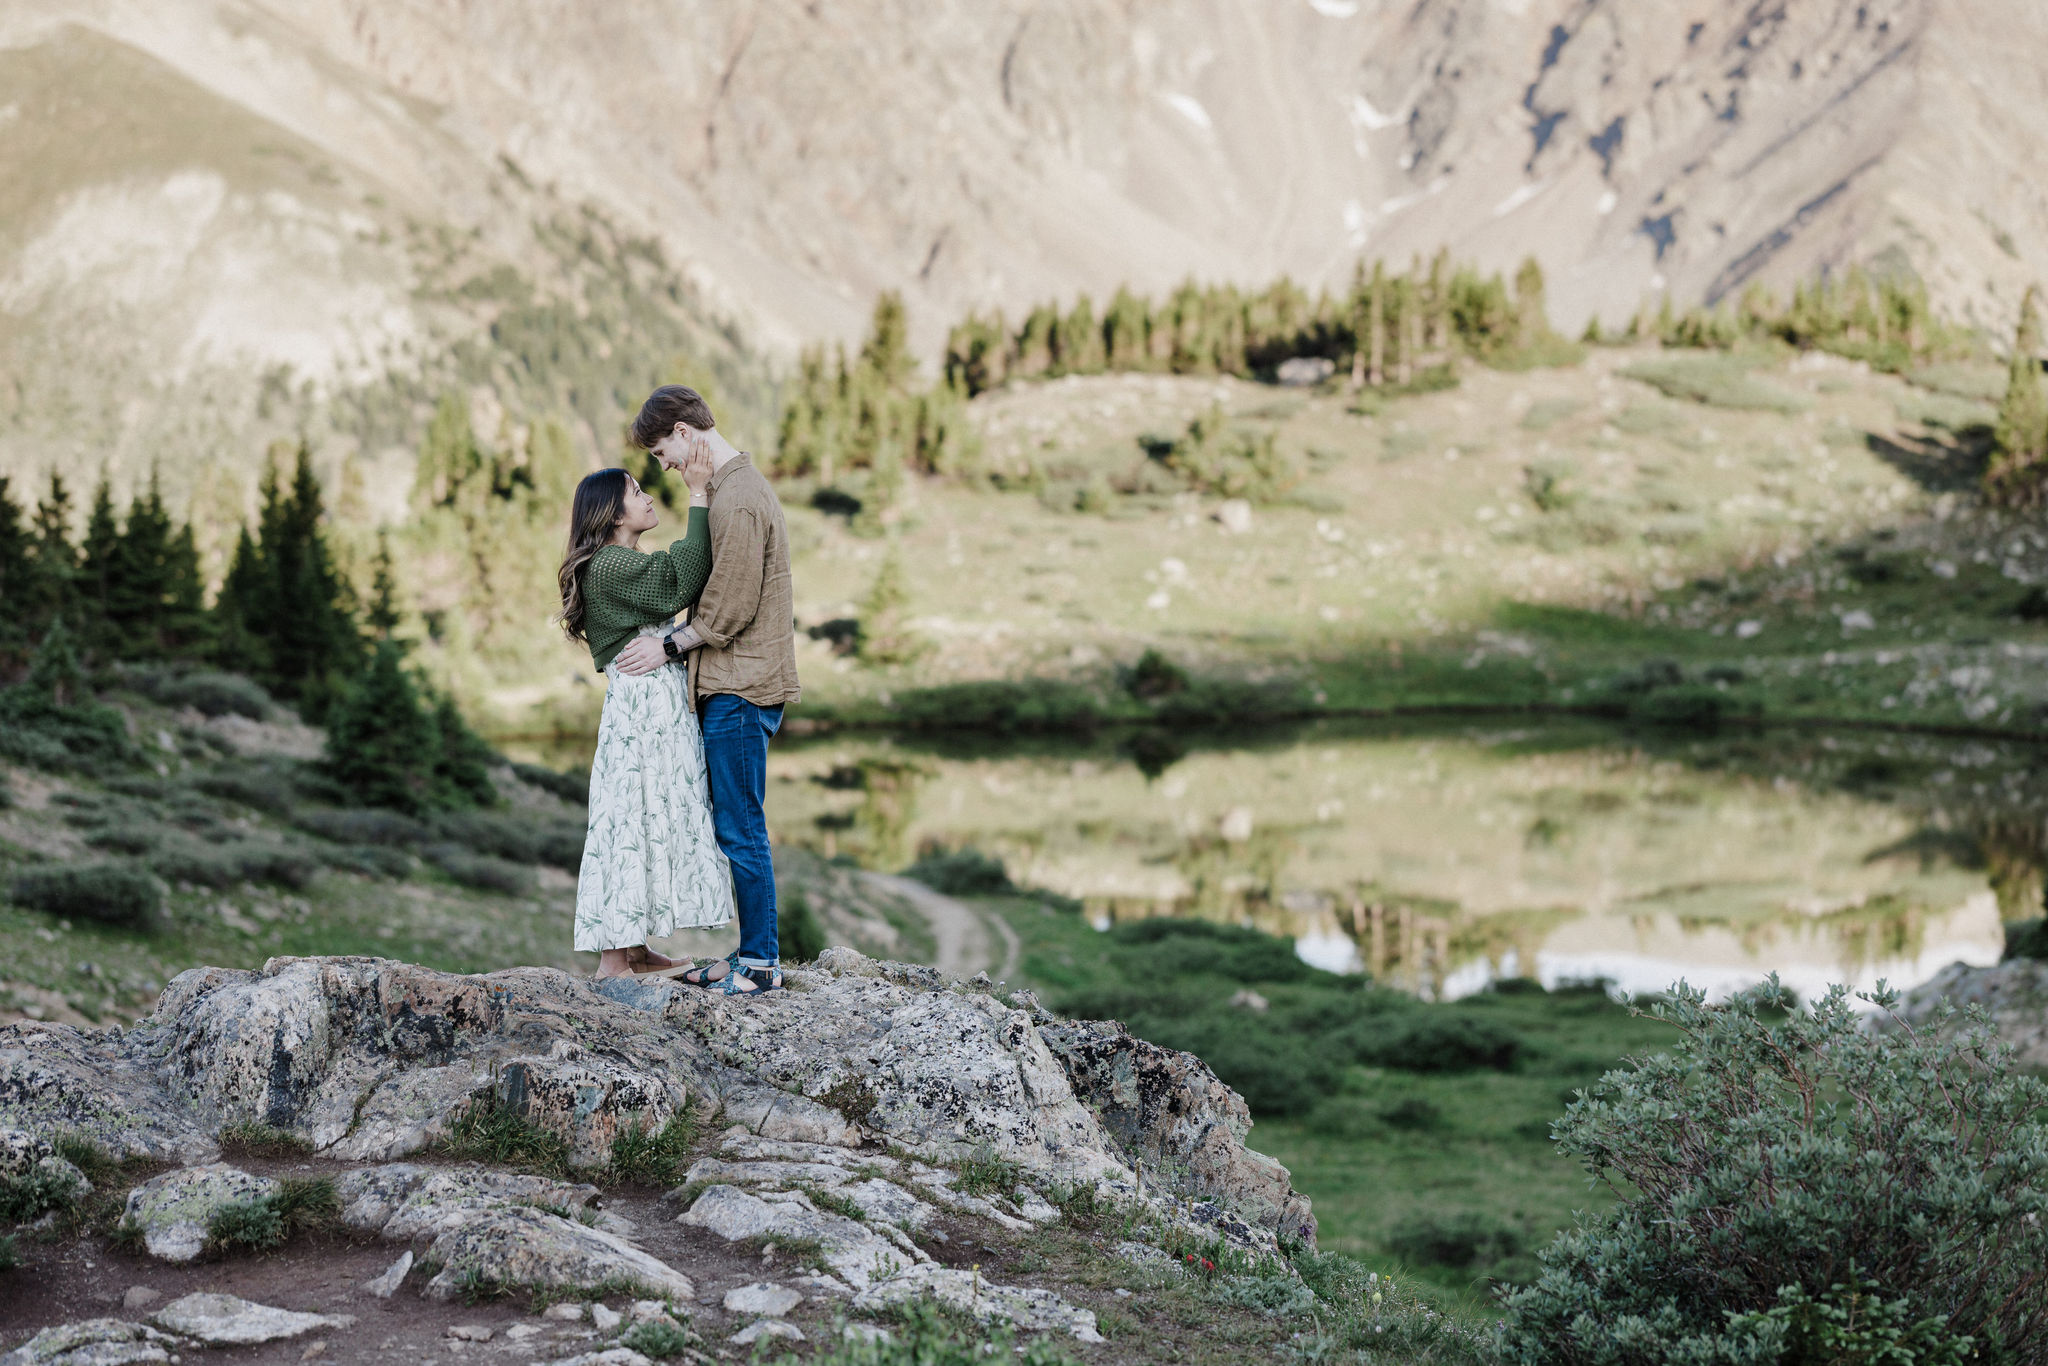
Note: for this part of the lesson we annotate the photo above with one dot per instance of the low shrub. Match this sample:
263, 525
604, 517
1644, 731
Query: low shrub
1154, 676
371, 860
1461, 1240
245, 1225
515, 838
999, 705
363, 826
37, 730
801, 936
989, 1173
561, 846
658, 1339
481, 871
2026, 938
1433, 1040
1412, 1112
1773, 1167
571, 785
113, 892
922, 1333
1172, 947
211, 694
36, 1192
965, 871
233, 864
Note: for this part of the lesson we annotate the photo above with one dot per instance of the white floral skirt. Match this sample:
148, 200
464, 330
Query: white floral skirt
651, 861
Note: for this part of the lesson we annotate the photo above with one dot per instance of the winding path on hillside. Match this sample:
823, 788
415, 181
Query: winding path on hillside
965, 940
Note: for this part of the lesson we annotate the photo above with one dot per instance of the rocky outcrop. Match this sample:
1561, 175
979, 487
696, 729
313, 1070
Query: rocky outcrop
231, 1321
1175, 1116
95, 1342
2014, 993
849, 1102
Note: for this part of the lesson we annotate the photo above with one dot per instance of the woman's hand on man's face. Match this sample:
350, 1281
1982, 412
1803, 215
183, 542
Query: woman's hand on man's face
697, 463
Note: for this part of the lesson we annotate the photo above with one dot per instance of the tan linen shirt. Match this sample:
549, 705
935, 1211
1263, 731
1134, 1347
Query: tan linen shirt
745, 616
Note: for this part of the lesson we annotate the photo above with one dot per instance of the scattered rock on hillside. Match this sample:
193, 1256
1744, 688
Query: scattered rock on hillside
231, 1321
856, 1254
2014, 993
173, 1210
966, 1291
763, 1298
94, 1342
25, 1155
516, 1247
403, 1201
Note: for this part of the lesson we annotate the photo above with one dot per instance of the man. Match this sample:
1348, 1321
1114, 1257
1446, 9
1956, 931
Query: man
743, 671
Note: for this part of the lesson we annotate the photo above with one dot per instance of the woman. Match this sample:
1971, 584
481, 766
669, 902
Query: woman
651, 862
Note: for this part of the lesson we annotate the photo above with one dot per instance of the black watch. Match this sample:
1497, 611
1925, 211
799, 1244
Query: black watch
668, 647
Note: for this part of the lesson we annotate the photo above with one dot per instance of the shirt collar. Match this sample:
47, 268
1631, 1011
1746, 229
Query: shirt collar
718, 476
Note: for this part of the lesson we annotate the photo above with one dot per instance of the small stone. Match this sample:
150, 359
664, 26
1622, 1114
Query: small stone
469, 1332
564, 1313
766, 1328
605, 1318
139, 1297
645, 1311
613, 1356
1235, 516
763, 1298
386, 1285
520, 1332
1121, 1293
867, 1332
231, 1321
314, 1349
1247, 999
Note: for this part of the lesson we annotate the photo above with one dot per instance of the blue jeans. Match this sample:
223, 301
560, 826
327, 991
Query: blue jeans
736, 735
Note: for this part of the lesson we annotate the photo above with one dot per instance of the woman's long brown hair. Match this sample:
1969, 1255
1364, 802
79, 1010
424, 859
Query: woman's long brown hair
593, 517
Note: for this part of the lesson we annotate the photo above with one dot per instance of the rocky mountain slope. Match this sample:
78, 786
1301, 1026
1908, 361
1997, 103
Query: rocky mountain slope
202, 197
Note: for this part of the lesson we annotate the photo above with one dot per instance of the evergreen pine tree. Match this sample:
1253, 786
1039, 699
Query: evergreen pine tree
184, 629
236, 645
19, 587
1125, 329
134, 579
382, 745
383, 617
462, 761
56, 558
1532, 317
96, 572
449, 454
287, 594
886, 353
2019, 463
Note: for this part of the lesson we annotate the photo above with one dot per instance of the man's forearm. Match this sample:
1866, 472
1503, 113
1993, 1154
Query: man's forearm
682, 640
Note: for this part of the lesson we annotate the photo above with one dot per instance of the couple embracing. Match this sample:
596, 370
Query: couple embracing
678, 838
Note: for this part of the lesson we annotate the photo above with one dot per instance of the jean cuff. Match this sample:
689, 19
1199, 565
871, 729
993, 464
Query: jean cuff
747, 962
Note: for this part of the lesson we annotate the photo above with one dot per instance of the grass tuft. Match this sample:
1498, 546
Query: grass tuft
488, 1130
987, 1173
656, 1159
254, 1138
658, 1338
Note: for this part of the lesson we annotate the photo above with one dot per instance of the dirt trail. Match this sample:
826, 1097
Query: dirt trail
966, 941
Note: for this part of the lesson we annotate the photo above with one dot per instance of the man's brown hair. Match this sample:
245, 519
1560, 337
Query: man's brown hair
664, 408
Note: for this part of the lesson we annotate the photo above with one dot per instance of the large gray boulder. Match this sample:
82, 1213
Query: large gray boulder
2014, 993
231, 1321
403, 1201
369, 1059
95, 1342
174, 1210
521, 1248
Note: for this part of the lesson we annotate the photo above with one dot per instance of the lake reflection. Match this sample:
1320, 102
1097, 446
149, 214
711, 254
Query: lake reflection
1440, 860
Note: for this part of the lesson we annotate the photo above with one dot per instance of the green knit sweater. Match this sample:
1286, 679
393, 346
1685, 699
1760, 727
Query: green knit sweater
624, 590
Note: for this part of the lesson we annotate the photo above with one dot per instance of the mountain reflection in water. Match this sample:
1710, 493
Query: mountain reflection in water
1442, 859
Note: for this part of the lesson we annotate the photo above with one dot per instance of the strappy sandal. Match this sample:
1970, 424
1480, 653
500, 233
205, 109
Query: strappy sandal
760, 980
703, 975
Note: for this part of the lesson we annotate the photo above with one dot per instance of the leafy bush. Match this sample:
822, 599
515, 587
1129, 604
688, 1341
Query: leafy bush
801, 937
210, 694
1154, 676
38, 730
1459, 1240
1171, 948
371, 860
481, 870
36, 1192
115, 892
231, 865
245, 1224
1425, 1040
999, 705
2026, 939
571, 785
962, 872
659, 1339
519, 839
1772, 1166
364, 827
922, 1334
